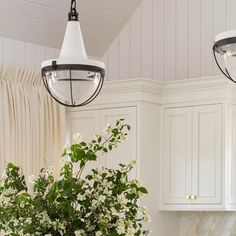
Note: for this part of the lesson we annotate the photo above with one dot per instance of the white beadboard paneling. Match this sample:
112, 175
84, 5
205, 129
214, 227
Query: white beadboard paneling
194, 38
219, 12
170, 40
30, 56
158, 39
173, 39
105, 60
39, 50
19, 58
1, 50
25, 55
124, 52
49, 53
230, 16
146, 39
206, 37
8, 51
135, 44
114, 60
181, 39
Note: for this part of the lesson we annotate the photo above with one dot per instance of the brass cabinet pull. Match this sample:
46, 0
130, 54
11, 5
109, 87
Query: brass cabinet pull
193, 197
188, 197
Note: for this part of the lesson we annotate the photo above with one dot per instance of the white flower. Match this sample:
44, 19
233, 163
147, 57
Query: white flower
4, 174
81, 197
120, 227
77, 138
147, 219
132, 163
101, 198
79, 233
99, 233
107, 129
32, 179
67, 159
131, 231
122, 200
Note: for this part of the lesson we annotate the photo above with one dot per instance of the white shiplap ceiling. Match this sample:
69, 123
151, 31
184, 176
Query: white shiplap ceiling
44, 21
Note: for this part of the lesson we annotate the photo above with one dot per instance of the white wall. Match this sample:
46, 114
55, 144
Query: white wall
23, 54
170, 39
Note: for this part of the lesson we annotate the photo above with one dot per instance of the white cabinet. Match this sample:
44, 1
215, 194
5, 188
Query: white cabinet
231, 167
127, 151
192, 156
207, 154
177, 133
90, 122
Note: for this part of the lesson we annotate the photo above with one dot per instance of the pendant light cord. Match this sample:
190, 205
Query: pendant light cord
73, 14
73, 6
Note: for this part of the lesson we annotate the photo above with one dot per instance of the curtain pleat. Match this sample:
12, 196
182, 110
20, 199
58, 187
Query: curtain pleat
32, 124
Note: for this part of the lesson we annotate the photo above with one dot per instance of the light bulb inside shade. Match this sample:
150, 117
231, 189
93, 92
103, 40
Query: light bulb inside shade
72, 87
228, 54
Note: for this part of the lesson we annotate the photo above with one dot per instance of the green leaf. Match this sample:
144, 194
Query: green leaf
143, 190
99, 139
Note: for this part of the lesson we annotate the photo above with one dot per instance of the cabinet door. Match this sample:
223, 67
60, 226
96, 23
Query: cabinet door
207, 154
87, 123
127, 151
177, 127
232, 156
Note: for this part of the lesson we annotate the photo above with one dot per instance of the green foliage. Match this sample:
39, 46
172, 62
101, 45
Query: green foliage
104, 203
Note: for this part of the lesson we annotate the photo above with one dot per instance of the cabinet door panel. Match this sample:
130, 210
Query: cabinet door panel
87, 124
232, 156
127, 151
207, 154
177, 155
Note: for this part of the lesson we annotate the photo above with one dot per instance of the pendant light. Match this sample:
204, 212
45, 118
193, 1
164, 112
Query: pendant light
224, 50
73, 80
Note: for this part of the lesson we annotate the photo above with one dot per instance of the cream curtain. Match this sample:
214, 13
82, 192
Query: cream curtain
31, 124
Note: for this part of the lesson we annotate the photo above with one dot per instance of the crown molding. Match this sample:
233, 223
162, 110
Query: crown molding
162, 93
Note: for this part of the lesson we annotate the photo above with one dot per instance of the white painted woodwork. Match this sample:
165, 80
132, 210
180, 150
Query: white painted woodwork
113, 61
124, 49
177, 150
146, 38
207, 37
43, 22
23, 54
127, 151
194, 39
135, 45
172, 39
158, 39
192, 155
231, 183
207, 154
181, 39
87, 124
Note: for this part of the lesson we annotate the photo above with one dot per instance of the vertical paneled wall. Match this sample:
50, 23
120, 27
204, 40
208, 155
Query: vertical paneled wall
23, 54
170, 40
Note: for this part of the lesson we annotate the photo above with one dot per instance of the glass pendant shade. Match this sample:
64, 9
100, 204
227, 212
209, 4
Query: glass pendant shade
225, 54
73, 79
